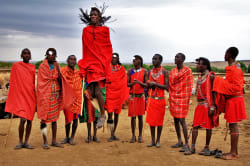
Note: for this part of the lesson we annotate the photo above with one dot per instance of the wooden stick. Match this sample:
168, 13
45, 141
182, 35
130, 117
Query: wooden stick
82, 96
225, 138
8, 133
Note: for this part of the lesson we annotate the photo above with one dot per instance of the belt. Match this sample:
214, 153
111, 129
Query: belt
234, 97
156, 98
136, 95
202, 102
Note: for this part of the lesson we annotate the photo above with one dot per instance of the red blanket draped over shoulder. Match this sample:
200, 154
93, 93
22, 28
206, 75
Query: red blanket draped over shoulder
21, 99
73, 79
117, 92
180, 91
232, 88
97, 54
233, 83
46, 78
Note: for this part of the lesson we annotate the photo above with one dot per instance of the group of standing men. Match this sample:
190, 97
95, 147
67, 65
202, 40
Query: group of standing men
102, 77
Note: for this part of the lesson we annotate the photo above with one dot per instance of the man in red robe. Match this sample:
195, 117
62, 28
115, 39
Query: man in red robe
116, 94
180, 91
157, 83
232, 88
203, 116
53, 95
21, 100
97, 56
137, 81
73, 78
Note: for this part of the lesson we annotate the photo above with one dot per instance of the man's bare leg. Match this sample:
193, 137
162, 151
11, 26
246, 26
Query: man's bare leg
27, 135
98, 95
140, 120
152, 130
178, 133
21, 132
74, 127
133, 125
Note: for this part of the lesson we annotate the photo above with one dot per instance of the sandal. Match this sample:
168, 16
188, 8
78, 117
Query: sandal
115, 138
101, 121
58, 145
151, 145
189, 151
158, 145
110, 139
214, 152
95, 139
66, 140
205, 152
18, 146
88, 139
218, 154
177, 145
71, 141
140, 139
133, 139
46, 146
184, 148
28, 146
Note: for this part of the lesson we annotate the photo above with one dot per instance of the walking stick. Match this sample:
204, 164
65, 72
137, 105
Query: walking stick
146, 114
225, 138
6, 139
82, 97
190, 132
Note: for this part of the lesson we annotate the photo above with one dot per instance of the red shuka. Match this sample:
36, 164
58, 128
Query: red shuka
97, 54
180, 91
117, 91
156, 107
21, 99
136, 105
74, 80
51, 98
232, 87
204, 92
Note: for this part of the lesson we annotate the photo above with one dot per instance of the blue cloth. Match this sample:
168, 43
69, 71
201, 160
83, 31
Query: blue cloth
51, 66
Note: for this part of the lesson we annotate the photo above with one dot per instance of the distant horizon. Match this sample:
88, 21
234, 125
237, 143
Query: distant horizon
244, 60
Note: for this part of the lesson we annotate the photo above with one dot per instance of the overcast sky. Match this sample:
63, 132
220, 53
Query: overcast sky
145, 27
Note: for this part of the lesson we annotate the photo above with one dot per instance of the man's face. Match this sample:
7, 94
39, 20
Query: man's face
114, 60
137, 62
71, 61
51, 56
26, 56
178, 59
156, 60
94, 17
200, 66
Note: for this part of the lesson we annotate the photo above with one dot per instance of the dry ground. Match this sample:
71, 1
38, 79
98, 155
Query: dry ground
121, 152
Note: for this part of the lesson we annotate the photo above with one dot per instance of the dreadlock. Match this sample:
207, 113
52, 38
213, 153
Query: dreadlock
85, 17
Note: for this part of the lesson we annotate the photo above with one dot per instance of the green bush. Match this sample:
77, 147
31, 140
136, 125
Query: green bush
37, 64
248, 69
5, 64
243, 66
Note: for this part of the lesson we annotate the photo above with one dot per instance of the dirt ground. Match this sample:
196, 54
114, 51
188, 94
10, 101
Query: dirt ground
121, 152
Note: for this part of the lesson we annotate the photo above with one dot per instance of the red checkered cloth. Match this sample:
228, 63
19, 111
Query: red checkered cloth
51, 98
180, 91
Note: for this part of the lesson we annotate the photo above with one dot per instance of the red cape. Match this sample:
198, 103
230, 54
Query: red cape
97, 54
117, 92
21, 99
